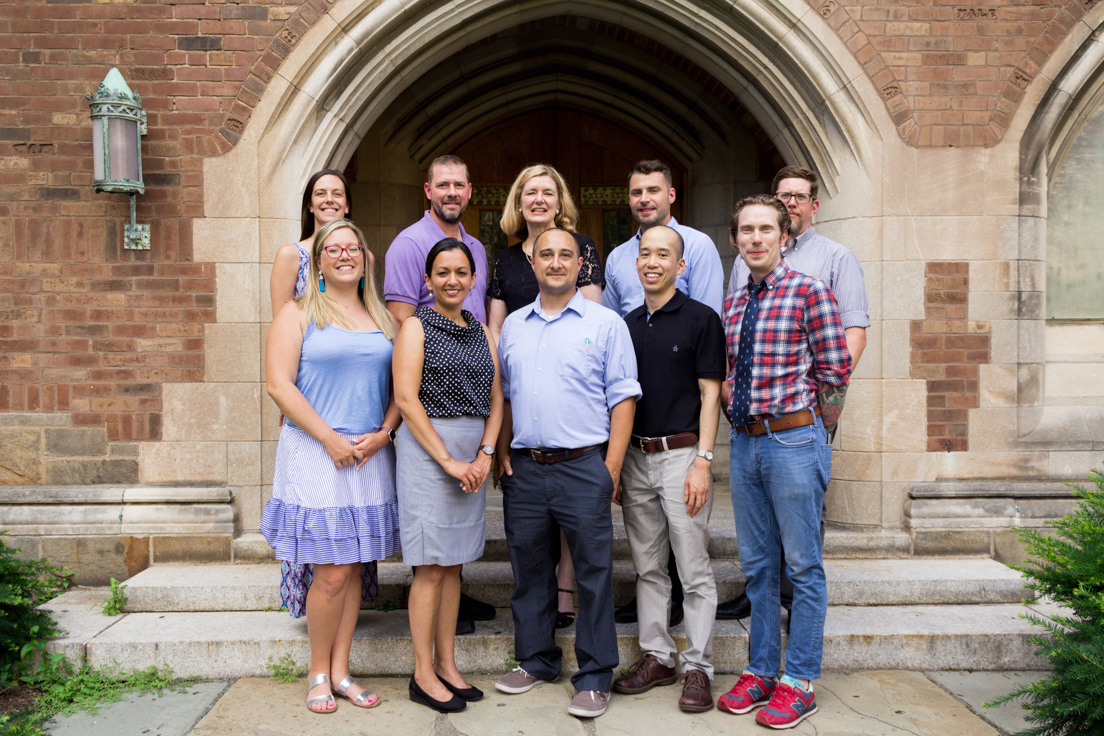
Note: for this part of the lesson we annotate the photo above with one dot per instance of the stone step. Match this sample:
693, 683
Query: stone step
916, 581
222, 645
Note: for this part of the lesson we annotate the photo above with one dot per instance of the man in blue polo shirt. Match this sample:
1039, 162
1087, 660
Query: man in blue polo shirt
666, 478
569, 377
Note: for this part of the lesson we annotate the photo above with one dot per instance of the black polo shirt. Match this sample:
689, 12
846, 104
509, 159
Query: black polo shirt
682, 342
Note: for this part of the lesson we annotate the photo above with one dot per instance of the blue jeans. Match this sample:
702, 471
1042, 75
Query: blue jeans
778, 481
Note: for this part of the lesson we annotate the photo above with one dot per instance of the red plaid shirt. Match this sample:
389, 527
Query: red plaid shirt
799, 342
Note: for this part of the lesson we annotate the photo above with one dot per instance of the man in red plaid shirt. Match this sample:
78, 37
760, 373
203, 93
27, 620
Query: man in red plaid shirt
788, 371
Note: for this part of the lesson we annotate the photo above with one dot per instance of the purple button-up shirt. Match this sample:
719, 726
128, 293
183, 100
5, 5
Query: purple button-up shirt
404, 275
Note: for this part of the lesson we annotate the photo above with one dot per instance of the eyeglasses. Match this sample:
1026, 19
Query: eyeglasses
800, 197
335, 251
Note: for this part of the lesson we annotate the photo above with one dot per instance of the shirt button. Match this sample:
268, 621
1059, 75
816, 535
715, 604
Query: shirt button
539, 368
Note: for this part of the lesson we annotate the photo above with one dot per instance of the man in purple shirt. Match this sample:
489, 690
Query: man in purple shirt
449, 190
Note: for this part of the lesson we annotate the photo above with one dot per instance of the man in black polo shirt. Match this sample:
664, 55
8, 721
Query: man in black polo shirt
666, 477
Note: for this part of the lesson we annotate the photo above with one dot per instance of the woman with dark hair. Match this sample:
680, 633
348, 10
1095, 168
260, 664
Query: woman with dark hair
326, 198
448, 389
333, 510
538, 200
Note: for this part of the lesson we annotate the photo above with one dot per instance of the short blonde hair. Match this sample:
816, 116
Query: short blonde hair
513, 224
319, 307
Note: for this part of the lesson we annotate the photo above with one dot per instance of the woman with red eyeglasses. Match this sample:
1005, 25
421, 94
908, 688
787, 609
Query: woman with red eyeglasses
333, 507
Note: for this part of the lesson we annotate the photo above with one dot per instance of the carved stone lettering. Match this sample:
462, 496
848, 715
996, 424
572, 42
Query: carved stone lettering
1020, 79
33, 148
288, 36
828, 8
890, 91
234, 125
975, 13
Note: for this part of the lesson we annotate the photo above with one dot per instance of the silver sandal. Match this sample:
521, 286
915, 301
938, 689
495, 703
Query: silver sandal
343, 688
315, 681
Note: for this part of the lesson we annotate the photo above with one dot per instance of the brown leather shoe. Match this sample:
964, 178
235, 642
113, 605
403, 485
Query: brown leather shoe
697, 696
645, 673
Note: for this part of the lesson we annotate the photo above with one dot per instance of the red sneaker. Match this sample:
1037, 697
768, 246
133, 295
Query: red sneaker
749, 692
788, 707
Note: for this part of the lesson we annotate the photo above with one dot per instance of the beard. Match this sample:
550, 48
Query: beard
439, 210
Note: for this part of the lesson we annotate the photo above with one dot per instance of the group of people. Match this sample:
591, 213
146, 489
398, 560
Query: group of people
573, 385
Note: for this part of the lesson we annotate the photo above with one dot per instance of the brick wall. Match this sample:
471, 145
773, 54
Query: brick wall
952, 73
87, 327
93, 331
947, 349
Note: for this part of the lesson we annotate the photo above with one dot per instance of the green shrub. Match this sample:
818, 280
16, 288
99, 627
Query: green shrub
24, 585
1068, 568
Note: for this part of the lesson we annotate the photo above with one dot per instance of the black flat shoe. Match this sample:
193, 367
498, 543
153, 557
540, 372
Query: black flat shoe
626, 614
467, 694
419, 696
475, 609
738, 607
564, 619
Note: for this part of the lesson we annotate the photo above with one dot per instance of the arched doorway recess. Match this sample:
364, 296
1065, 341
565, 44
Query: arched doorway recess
727, 91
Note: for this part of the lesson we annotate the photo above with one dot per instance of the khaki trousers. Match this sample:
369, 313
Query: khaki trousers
655, 522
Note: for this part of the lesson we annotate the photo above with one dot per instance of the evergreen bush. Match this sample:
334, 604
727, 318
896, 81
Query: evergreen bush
1067, 568
24, 585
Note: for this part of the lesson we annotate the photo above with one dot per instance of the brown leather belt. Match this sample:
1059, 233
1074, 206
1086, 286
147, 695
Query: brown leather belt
802, 418
548, 457
670, 442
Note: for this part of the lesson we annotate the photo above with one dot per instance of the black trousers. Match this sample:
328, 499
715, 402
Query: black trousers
538, 501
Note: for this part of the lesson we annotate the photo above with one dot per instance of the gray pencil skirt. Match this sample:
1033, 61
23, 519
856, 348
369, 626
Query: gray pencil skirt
439, 524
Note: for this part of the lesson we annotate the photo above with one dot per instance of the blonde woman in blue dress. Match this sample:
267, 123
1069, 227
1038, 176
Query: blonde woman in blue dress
333, 505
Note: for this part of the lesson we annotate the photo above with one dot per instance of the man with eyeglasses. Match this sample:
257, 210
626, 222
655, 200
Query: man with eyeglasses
812, 254
448, 189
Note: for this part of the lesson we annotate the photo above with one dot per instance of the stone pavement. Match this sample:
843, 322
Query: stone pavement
874, 703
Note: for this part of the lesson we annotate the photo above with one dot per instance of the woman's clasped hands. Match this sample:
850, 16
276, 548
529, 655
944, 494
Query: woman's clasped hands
346, 453
471, 475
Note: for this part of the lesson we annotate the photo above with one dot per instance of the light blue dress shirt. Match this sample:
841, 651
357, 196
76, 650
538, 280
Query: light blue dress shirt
703, 279
563, 374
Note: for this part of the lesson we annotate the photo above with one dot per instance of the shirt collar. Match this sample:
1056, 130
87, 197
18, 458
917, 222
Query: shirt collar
577, 305
673, 303
799, 241
672, 223
435, 228
777, 274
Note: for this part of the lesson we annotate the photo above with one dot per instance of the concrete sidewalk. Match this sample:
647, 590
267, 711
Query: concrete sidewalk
850, 703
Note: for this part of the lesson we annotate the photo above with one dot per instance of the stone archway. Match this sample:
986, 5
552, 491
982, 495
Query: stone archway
391, 85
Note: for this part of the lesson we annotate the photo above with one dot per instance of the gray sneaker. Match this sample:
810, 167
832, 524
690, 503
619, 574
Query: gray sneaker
588, 704
517, 681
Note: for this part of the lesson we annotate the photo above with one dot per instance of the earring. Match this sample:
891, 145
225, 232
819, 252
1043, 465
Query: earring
362, 283
321, 282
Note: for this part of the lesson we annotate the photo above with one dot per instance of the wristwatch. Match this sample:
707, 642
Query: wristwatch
390, 432
487, 450
707, 454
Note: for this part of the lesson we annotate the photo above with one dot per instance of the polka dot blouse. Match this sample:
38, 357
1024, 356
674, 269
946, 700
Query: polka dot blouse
458, 370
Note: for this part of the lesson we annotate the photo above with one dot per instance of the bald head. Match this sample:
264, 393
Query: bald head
559, 238
663, 235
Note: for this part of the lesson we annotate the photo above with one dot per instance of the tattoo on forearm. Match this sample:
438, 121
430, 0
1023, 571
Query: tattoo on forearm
830, 397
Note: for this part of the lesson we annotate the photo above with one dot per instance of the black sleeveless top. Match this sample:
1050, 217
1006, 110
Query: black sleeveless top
458, 370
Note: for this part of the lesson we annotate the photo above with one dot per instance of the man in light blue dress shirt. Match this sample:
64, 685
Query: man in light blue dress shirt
650, 198
570, 381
